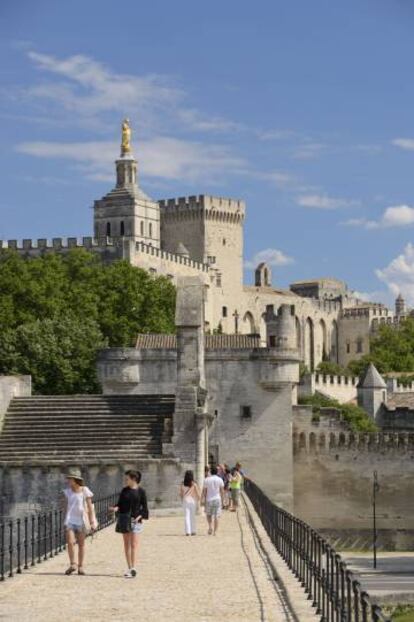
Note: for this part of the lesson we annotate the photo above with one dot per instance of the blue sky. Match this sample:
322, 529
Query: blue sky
303, 109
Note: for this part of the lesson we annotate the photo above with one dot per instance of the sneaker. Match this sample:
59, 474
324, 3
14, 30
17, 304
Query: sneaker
133, 572
128, 574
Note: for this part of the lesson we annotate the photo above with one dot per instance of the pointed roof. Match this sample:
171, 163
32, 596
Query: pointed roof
372, 379
182, 250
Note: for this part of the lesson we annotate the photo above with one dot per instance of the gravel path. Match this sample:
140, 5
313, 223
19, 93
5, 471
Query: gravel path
180, 579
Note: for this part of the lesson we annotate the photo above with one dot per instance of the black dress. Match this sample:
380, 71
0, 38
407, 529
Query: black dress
132, 503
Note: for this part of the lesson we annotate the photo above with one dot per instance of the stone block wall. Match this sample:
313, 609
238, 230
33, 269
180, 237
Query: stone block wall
29, 488
333, 479
341, 388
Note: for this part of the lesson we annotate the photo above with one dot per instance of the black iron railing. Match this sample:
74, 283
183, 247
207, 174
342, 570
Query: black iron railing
32, 539
335, 592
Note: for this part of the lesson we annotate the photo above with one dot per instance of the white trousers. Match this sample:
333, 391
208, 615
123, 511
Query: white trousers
190, 509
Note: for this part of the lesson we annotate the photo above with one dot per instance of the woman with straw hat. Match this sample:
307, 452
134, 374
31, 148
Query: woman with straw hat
79, 518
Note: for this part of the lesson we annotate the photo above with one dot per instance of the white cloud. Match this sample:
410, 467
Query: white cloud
324, 202
395, 216
88, 87
308, 151
165, 157
399, 274
271, 256
404, 143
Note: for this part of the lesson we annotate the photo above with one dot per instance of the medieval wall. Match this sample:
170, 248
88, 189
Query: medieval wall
341, 388
333, 481
33, 488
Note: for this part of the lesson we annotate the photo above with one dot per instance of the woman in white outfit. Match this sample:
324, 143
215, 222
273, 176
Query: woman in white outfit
190, 495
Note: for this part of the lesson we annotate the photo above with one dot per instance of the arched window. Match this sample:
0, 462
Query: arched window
142, 227
150, 230
122, 228
224, 312
108, 229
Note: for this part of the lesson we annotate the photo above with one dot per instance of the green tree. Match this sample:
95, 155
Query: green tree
356, 417
57, 310
392, 349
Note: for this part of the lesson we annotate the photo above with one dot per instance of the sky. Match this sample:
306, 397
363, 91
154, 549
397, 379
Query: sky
302, 109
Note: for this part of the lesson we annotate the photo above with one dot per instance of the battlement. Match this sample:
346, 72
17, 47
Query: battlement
395, 386
57, 243
381, 443
141, 247
322, 380
369, 311
209, 207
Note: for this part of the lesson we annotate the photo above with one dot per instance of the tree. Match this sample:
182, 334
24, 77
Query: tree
392, 349
57, 310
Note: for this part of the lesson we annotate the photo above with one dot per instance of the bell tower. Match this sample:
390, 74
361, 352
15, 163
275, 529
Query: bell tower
127, 212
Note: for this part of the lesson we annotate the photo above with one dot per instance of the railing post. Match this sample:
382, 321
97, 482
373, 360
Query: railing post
10, 548
19, 546
2, 551
26, 543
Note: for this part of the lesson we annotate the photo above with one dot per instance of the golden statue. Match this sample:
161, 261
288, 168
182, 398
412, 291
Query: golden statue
126, 137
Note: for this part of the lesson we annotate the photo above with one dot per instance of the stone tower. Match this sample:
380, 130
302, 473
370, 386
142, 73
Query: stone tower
211, 229
127, 212
399, 306
372, 391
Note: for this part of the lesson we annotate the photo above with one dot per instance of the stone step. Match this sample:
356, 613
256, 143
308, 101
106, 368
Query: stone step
72, 456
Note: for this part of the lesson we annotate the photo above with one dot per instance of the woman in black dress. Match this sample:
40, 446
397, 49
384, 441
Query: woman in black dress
132, 509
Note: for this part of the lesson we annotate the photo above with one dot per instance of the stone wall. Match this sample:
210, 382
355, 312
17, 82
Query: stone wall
333, 479
341, 388
33, 488
10, 387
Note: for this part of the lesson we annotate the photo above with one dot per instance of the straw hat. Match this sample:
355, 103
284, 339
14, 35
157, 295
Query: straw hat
74, 474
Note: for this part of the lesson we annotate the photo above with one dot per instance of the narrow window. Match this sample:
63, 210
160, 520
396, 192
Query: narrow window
142, 227
224, 241
348, 347
108, 229
224, 312
218, 279
122, 228
246, 412
359, 346
150, 230
272, 341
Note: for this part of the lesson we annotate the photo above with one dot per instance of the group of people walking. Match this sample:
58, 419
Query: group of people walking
221, 490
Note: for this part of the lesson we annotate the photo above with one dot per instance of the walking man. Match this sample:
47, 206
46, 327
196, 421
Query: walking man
213, 497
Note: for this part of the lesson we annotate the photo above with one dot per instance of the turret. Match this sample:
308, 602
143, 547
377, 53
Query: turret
281, 328
372, 392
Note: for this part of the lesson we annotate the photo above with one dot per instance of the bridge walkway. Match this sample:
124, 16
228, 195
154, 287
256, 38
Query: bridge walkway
236, 575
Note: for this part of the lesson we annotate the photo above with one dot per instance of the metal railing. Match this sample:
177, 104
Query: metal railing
27, 541
335, 592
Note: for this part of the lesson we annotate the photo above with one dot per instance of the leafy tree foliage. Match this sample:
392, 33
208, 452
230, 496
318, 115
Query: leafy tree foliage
356, 417
392, 349
56, 311
329, 368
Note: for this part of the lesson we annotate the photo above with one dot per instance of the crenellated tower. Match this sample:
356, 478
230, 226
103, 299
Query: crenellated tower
127, 212
211, 229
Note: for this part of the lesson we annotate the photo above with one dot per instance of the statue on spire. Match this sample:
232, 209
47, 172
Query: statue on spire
126, 138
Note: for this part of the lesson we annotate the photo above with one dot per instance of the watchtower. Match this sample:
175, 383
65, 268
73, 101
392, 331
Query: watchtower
211, 228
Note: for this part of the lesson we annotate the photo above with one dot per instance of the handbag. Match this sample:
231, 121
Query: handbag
123, 522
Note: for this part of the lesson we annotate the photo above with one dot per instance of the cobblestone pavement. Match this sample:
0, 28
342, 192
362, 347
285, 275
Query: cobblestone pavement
180, 579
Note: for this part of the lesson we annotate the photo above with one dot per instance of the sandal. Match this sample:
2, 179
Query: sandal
81, 571
71, 569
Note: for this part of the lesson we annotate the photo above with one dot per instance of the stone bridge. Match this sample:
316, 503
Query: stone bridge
236, 575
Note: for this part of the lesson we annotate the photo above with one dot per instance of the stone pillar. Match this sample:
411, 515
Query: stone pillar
190, 416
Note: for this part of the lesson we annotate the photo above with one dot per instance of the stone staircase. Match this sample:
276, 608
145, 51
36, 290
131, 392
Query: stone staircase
85, 428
